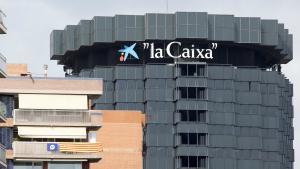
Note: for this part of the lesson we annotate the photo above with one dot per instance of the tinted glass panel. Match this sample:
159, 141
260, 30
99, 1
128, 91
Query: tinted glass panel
64, 165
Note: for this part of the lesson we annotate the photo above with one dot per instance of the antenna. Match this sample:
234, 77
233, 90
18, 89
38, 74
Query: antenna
28, 74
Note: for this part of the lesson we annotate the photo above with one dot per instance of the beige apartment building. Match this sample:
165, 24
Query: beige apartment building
49, 124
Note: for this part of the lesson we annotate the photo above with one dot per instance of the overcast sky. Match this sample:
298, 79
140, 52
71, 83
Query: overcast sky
30, 22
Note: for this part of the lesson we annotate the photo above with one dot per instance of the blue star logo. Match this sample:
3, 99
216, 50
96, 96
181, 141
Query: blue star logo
126, 51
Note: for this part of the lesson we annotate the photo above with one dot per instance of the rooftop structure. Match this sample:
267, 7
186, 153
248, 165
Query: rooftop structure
243, 41
16, 70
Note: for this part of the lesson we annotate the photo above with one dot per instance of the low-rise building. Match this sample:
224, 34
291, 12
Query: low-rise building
47, 123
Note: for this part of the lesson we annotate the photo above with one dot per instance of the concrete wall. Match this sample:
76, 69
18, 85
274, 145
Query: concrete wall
121, 137
48, 101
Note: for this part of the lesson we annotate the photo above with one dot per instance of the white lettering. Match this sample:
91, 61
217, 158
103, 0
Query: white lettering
168, 49
184, 53
158, 53
151, 50
200, 53
208, 54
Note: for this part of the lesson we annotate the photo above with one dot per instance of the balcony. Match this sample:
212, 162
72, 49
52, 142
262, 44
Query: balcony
2, 156
79, 151
2, 27
70, 118
2, 65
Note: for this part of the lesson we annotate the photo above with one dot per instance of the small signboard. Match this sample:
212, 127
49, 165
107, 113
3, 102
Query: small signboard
52, 147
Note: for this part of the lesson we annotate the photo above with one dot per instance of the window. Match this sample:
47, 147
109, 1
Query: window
192, 70
184, 138
201, 116
193, 138
183, 70
200, 93
92, 136
28, 165
193, 115
183, 115
192, 161
2, 109
183, 92
200, 70
7, 105
64, 165
192, 93
184, 161
202, 138
202, 161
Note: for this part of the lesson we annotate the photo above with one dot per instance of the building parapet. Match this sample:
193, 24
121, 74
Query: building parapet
73, 86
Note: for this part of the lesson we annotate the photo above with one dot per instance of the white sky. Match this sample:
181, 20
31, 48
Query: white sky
30, 22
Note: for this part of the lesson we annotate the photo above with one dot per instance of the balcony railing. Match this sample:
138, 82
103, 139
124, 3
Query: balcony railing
27, 117
70, 150
2, 155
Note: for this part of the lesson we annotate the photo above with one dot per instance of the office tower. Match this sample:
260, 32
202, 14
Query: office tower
225, 106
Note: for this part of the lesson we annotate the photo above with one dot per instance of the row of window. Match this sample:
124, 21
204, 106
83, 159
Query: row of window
193, 115
193, 138
192, 161
192, 70
192, 93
